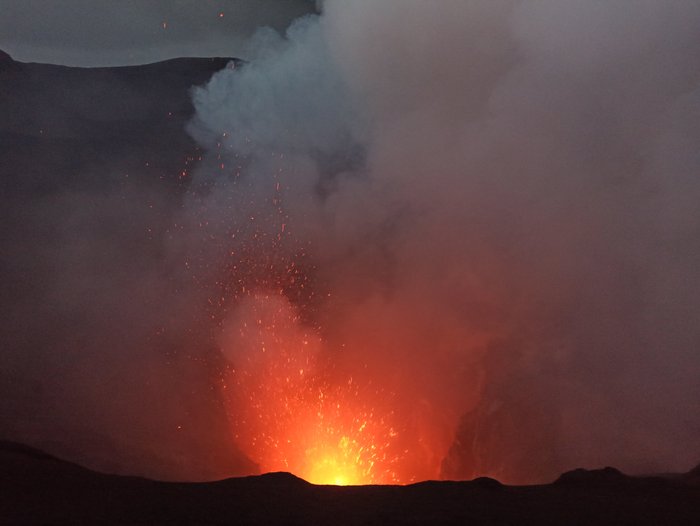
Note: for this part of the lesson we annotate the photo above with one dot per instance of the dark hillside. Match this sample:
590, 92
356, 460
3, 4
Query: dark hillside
36, 488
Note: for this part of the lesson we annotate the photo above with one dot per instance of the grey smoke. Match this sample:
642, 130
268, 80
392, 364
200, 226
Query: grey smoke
502, 198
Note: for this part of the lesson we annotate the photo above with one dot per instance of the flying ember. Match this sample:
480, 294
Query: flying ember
296, 413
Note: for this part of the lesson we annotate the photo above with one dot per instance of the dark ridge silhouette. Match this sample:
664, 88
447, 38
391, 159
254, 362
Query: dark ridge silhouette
36, 488
611, 477
7, 63
67, 122
99, 157
14, 448
487, 482
693, 476
280, 477
604, 476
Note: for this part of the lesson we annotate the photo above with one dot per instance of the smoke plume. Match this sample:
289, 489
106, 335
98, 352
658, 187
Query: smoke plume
495, 204
416, 240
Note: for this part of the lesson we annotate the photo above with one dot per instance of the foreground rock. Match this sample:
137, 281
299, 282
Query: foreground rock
36, 488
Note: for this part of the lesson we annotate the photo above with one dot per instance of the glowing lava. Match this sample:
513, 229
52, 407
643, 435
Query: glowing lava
292, 412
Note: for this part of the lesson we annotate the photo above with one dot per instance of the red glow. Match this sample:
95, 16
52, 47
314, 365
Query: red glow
293, 411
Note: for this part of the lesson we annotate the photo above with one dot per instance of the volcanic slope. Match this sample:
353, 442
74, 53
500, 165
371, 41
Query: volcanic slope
94, 167
67, 121
36, 488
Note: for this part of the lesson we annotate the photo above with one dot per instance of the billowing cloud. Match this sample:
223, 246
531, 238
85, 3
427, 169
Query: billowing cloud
495, 200
413, 239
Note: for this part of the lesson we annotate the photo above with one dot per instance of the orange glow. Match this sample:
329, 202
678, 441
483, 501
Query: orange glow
291, 410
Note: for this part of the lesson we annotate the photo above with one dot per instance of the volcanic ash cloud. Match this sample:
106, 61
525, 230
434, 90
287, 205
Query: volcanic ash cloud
482, 216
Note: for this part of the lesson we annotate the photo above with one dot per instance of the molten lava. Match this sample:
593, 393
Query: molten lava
291, 410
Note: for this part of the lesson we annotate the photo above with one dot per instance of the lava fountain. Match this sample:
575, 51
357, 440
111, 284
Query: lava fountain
294, 411
341, 364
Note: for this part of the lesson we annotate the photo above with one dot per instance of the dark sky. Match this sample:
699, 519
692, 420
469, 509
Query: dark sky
105, 32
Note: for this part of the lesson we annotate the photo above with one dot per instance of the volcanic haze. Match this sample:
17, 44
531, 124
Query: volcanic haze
411, 240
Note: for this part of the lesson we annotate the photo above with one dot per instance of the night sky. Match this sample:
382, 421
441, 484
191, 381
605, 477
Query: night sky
400, 240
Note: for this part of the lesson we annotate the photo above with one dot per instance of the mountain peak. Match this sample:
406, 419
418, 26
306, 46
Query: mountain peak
6, 61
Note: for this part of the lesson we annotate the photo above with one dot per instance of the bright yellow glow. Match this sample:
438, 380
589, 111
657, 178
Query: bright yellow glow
333, 466
292, 410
